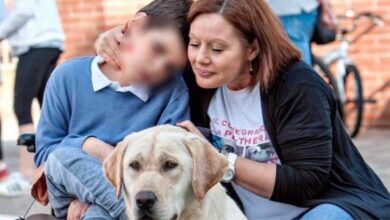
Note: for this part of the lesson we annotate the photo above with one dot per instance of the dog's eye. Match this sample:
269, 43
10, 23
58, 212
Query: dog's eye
168, 165
135, 165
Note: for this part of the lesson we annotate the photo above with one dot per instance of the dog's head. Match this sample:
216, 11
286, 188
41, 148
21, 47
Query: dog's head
162, 170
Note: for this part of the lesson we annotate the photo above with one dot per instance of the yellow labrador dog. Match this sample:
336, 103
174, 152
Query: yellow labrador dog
168, 173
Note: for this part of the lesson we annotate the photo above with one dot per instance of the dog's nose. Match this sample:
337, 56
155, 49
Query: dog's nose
145, 200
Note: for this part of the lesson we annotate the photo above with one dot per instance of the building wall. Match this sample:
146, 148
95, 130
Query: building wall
372, 55
84, 20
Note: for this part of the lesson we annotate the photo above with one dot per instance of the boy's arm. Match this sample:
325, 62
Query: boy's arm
97, 148
177, 109
52, 131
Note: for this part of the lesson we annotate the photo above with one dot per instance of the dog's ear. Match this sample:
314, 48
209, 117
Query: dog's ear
209, 166
112, 166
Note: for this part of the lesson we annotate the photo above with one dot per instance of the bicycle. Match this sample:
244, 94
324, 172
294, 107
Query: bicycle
347, 82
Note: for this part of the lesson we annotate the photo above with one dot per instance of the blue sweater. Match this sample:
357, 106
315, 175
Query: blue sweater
72, 111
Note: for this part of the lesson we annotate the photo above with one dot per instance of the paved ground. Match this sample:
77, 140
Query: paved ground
373, 144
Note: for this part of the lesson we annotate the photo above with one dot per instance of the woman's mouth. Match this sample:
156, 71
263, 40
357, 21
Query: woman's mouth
204, 73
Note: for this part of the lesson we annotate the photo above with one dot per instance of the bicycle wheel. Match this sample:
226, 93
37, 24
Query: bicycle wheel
354, 103
322, 69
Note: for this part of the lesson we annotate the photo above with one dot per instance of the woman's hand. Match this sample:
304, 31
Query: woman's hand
189, 126
107, 45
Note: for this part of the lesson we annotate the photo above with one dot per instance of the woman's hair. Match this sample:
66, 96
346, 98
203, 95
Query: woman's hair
171, 13
254, 20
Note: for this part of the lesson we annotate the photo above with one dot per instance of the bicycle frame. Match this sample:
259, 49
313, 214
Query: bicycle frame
339, 55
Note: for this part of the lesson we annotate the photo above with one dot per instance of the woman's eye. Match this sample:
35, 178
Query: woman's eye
135, 166
194, 45
217, 50
169, 165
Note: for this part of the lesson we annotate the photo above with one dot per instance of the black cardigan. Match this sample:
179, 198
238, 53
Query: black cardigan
320, 163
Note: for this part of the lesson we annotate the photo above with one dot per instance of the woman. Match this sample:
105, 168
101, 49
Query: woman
273, 116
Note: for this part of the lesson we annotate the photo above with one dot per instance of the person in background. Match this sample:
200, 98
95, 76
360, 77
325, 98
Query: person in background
3, 166
299, 18
35, 34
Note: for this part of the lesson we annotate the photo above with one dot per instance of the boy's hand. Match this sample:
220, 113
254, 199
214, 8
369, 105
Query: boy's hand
97, 148
107, 45
76, 210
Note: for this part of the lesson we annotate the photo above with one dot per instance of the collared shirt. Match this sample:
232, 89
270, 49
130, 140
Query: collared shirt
292, 7
80, 112
100, 81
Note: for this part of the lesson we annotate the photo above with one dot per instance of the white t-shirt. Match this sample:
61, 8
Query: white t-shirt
237, 125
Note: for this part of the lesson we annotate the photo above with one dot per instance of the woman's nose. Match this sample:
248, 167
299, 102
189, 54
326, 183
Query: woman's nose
203, 57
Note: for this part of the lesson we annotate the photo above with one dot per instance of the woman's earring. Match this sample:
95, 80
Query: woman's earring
250, 67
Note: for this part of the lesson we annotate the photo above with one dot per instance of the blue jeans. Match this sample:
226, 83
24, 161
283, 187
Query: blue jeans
327, 212
300, 29
72, 174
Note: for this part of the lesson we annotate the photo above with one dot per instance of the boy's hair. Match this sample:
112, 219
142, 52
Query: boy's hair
171, 13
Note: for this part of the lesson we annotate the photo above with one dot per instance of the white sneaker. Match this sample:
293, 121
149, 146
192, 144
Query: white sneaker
15, 185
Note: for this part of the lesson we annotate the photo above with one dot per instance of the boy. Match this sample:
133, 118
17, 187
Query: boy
89, 106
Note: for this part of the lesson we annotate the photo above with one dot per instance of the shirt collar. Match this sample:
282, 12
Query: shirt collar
100, 81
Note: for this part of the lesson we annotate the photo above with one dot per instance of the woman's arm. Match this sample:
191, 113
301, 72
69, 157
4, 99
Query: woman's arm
256, 177
303, 127
304, 136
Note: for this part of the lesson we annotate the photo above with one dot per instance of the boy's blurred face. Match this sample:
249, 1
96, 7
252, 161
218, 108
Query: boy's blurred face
149, 56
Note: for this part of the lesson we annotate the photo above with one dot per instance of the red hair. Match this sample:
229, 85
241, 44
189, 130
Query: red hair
254, 20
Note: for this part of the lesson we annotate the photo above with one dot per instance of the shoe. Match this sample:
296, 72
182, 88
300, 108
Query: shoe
15, 185
3, 171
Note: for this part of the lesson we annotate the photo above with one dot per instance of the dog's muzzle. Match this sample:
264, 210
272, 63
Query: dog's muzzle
145, 200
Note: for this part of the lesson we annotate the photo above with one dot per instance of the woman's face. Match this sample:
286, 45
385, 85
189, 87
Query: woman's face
218, 54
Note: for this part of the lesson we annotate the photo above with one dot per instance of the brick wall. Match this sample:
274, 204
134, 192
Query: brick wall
372, 55
83, 20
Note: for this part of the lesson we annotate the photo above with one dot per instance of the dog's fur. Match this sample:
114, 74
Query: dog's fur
191, 190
